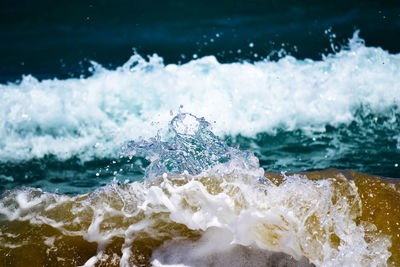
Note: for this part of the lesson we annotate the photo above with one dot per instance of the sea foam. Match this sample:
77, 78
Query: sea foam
92, 117
195, 221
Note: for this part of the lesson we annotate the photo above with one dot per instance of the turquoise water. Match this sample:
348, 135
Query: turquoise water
368, 144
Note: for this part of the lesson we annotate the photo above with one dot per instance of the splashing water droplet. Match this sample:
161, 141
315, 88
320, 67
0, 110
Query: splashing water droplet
193, 149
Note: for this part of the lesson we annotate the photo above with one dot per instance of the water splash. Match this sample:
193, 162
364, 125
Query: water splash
192, 149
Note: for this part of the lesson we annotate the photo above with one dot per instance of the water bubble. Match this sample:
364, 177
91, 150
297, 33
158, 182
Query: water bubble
187, 124
194, 148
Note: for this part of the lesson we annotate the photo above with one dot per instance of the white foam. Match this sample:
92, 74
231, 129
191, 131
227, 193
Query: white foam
239, 220
92, 117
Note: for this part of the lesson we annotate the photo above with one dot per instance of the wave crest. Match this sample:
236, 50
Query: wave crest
92, 117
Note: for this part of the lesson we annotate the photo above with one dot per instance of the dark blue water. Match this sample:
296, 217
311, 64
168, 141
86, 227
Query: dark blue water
57, 39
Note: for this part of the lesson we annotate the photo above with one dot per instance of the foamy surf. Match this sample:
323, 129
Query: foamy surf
227, 211
92, 117
217, 218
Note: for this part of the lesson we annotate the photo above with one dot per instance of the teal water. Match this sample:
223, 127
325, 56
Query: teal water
370, 144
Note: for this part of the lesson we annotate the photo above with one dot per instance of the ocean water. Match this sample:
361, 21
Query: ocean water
295, 114
234, 134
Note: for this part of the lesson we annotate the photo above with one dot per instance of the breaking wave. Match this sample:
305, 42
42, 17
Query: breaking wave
92, 117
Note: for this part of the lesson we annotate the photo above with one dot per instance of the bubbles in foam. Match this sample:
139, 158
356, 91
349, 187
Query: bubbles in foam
199, 220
